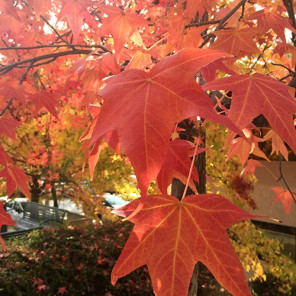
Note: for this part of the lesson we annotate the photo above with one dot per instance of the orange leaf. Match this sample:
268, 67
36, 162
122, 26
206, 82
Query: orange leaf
251, 166
170, 236
278, 145
242, 147
269, 19
284, 196
121, 24
237, 42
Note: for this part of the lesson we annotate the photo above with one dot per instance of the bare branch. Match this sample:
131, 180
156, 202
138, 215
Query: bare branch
23, 77
281, 65
222, 22
282, 177
32, 61
59, 35
7, 106
202, 24
51, 46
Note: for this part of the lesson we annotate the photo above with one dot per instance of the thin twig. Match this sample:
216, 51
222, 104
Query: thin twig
190, 171
8, 68
202, 24
23, 77
223, 21
281, 65
51, 46
258, 58
285, 77
282, 177
59, 35
7, 106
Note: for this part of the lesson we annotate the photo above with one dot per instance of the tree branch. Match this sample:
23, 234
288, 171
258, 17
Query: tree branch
202, 24
7, 106
290, 9
282, 177
32, 61
52, 46
59, 35
223, 21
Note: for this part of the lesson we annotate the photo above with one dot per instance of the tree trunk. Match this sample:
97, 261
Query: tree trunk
35, 189
178, 188
54, 195
200, 164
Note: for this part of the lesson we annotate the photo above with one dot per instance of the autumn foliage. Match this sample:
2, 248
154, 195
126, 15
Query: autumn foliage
140, 68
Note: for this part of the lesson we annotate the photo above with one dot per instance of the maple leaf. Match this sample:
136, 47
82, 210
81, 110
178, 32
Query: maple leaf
8, 126
177, 165
140, 60
38, 6
9, 91
278, 145
242, 147
41, 288
209, 72
121, 24
198, 6
5, 219
170, 236
45, 100
260, 94
270, 19
251, 167
237, 42
143, 108
285, 197
15, 176
76, 12
4, 158
62, 290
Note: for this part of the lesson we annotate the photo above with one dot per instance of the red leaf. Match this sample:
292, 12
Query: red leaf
45, 100
143, 108
5, 219
170, 236
62, 290
76, 11
177, 165
237, 42
15, 176
41, 288
284, 196
93, 158
270, 19
121, 24
4, 158
8, 126
112, 140
260, 94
